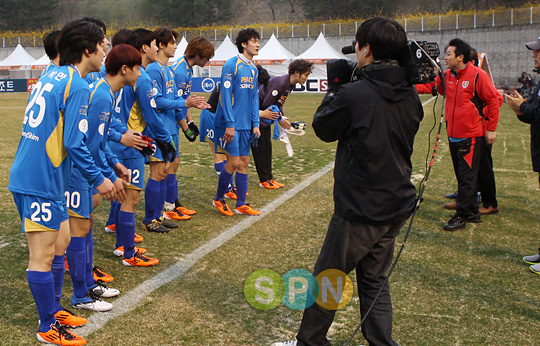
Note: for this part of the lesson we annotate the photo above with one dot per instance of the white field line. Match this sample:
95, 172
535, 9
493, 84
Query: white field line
130, 300
12, 107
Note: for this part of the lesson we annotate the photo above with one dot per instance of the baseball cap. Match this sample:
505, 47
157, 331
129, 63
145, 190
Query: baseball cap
533, 45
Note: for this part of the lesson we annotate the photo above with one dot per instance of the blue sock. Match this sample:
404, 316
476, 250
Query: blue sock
161, 200
112, 213
42, 287
118, 239
57, 269
172, 188
231, 184
126, 225
223, 183
242, 187
76, 256
151, 196
219, 166
89, 244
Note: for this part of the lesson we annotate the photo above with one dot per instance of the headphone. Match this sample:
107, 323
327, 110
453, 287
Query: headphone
364, 51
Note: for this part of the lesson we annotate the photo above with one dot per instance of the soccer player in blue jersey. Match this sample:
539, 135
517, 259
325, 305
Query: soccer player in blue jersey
168, 103
198, 52
49, 43
53, 138
122, 65
136, 109
94, 76
237, 121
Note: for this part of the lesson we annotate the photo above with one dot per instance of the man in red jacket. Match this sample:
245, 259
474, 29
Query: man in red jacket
468, 89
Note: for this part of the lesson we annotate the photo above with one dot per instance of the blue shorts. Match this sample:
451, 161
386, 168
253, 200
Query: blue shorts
176, 142
240, 145
79, 202
206, 126
40, 214
135, 168
158, 155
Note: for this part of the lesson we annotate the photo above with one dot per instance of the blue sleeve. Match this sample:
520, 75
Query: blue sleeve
255, 103
181, 81
111, 158
99, 113
226, 94
161, 101
149, 111
75, 136
116, 130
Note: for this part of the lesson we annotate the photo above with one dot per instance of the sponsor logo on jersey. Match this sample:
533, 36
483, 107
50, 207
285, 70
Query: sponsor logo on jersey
227, 84
274, 92
101, 129
153, 103
83, 125
465, 83
208, 84
180, 92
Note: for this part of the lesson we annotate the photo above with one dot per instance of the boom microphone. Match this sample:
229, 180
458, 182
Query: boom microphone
349, 49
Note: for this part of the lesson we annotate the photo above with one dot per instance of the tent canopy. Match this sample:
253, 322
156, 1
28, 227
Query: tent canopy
41, 63
273, 52
321, 51
224, 52
180, 49
17, 59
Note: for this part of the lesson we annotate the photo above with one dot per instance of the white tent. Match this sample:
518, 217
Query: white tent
18, 59
224, 52
274, 57
320, 52
180, 49
41, 63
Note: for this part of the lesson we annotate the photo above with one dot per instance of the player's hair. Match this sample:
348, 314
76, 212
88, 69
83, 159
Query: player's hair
474, 57
386, 37
122, 54
121, 36
461, 48
164, 36
201, 47
97, 22
76, 37
245, 35
264, 77
301, 66
140, 37
49, 43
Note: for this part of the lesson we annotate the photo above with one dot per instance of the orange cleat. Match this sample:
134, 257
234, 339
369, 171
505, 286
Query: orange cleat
110, 228
246, 210
276, 183
185, 210
100, 275
231, 194
138, 238
68, 319
222, 207
66, 265
175, 215
268, 185
139, 260
59, 335
119, 251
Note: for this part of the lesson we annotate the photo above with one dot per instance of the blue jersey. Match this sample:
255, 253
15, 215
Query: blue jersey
166, 97
49, 67
93, 77
54, 137
136, 108
183, 75
238, 105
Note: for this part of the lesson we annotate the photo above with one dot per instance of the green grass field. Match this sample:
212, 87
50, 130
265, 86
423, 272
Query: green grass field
463, 288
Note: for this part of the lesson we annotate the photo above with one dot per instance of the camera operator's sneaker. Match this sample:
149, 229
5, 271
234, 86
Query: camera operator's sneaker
119, 251
222, 207
59, 335
535, 268
175, 215
69, 319
139, 260
455, 223
533, 259
110, 228
90, 302
103, 291
156, 226
246, 210
100, 275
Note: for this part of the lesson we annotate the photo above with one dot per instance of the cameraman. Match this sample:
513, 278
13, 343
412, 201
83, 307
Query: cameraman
374, 120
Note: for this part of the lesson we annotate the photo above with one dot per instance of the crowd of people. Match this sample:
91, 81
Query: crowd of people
92, 129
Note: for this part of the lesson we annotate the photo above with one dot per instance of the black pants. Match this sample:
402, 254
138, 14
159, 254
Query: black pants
262, 154
486, 178
466, 159
368, 249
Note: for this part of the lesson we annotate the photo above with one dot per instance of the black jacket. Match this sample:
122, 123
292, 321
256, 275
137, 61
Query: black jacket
375, 120
531, 115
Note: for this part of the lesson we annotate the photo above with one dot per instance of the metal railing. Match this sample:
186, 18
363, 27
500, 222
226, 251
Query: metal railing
483, 19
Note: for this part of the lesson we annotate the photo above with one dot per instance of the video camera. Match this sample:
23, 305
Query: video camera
416, 58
